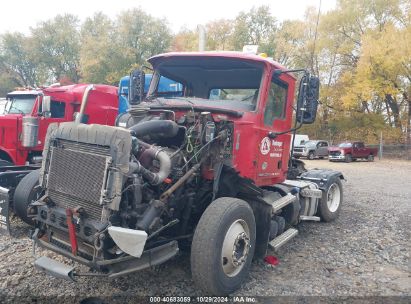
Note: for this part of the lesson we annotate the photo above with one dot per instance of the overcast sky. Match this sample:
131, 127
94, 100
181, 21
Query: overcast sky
19, 15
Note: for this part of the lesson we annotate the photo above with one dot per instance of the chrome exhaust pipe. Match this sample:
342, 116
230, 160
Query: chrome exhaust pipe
84, 101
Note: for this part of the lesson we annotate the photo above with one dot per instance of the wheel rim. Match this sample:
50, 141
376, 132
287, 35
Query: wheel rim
333, 197
236, 247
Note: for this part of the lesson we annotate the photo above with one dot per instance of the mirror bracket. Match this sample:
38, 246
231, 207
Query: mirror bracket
136, 87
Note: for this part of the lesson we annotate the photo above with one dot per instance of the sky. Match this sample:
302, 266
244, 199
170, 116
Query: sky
22, 14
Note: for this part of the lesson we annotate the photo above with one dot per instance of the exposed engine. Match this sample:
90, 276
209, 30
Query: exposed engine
147, 181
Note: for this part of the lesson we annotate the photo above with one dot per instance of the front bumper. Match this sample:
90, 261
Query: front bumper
108, 268
300, 153
336, 157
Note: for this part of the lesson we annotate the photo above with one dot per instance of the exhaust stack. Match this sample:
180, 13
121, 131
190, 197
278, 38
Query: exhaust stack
79, 117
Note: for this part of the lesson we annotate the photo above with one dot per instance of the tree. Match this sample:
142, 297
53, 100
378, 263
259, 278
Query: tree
100, 55
140, 36
185, 40
257, 27
219, 35
17, 61
56, 45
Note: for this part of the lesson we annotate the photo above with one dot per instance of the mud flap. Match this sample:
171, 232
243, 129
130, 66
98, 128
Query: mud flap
4, 211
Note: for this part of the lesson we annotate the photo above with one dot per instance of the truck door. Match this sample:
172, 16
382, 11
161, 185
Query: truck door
361, 149
57, 114
272, 156
356, 150
322, 149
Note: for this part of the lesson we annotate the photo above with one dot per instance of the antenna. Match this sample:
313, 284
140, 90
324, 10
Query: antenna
315, 37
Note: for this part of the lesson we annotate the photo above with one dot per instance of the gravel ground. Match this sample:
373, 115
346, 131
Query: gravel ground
363, 253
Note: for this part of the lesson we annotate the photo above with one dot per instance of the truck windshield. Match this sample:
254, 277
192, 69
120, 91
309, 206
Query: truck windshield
20, 104
310, 143
212, 81
345, 145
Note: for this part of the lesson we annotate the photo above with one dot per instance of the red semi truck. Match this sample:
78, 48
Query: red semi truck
208, 170
27, 115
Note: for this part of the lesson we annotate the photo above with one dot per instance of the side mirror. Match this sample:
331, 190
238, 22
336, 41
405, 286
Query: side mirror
307, 102
136, 87
46, 104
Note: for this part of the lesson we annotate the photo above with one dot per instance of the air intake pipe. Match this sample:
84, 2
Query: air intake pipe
158, 128
162, 128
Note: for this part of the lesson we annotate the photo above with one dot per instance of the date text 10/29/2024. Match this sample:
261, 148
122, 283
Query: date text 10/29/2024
235, 299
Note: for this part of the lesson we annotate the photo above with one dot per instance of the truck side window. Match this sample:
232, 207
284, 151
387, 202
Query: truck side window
57, 109
277, 97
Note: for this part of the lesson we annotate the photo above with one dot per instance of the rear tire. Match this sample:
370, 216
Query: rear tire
223, 246
331, 201
370, 158
26, 192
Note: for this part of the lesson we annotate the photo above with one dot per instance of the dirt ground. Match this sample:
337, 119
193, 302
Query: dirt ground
365, 252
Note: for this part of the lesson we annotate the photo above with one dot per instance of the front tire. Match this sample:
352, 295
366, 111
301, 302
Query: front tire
331, 201
310, 156
223, 246
348, 158
27, 191
5, 163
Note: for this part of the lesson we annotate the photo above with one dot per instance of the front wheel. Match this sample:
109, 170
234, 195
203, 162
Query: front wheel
310, 156
223, 246
5, 163
27, 191
348, 158
331, 201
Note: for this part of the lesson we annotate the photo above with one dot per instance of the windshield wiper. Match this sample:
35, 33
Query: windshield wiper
13, 107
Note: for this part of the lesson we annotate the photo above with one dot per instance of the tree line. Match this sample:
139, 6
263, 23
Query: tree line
361, 51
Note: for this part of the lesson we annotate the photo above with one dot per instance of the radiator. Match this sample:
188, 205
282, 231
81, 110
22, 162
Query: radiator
77, 175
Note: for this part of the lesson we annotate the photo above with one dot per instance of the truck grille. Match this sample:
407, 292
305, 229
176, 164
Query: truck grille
77, 175
298, 149
334, 153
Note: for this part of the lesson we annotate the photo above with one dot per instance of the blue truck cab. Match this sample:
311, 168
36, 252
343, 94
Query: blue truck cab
166, 86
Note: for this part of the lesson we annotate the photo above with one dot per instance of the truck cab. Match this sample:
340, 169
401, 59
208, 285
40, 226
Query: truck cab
312, 149
27, 115
351, 151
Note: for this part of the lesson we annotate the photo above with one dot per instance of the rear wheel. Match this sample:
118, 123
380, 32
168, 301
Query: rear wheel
331, 201
370, 158
223, 246
27, 191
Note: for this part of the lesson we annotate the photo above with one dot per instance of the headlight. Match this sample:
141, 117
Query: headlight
342, 152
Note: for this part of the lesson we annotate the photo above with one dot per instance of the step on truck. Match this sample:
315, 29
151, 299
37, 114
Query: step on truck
207, 172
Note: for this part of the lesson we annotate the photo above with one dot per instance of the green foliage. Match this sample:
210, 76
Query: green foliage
56, 46
17, 63
360, 50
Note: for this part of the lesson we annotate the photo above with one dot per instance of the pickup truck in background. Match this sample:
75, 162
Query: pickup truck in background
351, 151
312, 149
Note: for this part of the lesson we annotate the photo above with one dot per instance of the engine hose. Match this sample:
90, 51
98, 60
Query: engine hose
154, 178
162, 128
